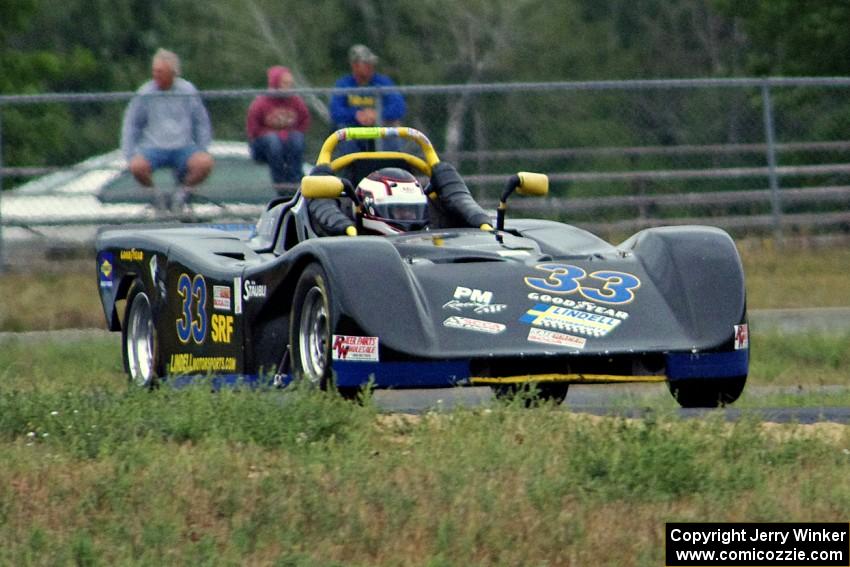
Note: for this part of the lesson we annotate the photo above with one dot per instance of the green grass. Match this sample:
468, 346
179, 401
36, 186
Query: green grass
800, 359
795, 276
61, 366
94, 477
94, 472
51, 300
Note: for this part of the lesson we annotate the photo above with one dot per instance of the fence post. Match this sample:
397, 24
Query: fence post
773, 178
379, 118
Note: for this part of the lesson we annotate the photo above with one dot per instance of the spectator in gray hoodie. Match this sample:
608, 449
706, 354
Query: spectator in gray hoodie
167, 125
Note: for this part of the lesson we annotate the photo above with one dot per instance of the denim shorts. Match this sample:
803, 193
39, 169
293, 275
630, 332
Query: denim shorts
176, 158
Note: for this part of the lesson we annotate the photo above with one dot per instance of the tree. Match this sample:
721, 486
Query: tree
793, 37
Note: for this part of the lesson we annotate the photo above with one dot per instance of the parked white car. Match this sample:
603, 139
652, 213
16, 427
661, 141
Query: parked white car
69, 205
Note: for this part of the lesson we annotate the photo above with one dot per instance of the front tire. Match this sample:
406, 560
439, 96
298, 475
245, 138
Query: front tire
139, 339
707, 392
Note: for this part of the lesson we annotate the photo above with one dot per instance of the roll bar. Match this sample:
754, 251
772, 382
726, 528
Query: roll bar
379, 133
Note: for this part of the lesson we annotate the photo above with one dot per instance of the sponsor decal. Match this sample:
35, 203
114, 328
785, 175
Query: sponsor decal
222, 328
193, 320
547, 337
609, 286
456, 322
583, 305
153, 266
237, 296
132, 255
221, 297
475, 299
188, 363
742, 337
473, 295
354, 348
476, 307
254, 290
105, 270
569, 320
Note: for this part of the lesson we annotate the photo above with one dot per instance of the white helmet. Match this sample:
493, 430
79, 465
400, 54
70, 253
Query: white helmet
392, 202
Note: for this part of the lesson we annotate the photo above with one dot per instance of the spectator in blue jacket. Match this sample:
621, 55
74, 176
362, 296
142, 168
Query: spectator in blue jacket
355, 109
167, 125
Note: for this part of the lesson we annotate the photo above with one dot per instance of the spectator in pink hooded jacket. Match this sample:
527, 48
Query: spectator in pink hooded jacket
276, 125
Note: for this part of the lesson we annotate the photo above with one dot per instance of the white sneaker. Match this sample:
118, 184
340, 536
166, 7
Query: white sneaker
181, 204
161, 201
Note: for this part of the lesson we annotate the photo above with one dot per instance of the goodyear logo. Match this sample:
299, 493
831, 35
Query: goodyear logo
132, 255
569, 320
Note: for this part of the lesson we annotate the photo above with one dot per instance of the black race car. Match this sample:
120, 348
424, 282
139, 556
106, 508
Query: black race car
524, 301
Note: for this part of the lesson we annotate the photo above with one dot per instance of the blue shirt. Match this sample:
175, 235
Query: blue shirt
344, 107
165, 119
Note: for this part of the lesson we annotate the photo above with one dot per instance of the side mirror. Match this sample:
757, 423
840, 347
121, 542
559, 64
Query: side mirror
524, 183
322, 187
533, 184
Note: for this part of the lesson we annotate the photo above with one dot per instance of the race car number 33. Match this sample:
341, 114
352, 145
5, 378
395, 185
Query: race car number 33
616, 287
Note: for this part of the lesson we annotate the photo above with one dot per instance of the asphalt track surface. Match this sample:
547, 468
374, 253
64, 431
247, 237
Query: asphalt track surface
621, 400
625, 400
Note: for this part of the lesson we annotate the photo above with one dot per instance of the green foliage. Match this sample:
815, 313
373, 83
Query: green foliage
15, 15
789, 37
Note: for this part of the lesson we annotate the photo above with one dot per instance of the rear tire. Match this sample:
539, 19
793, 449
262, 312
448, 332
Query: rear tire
139, 339
707, 392
310, 325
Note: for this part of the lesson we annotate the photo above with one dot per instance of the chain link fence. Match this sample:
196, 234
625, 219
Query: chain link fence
748, 155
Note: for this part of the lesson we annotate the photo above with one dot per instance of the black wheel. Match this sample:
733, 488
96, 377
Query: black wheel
707, 392
310, 327
140, 347
555, 392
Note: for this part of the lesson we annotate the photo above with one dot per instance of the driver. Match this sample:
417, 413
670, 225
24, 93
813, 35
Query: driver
390, 194
392, 203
